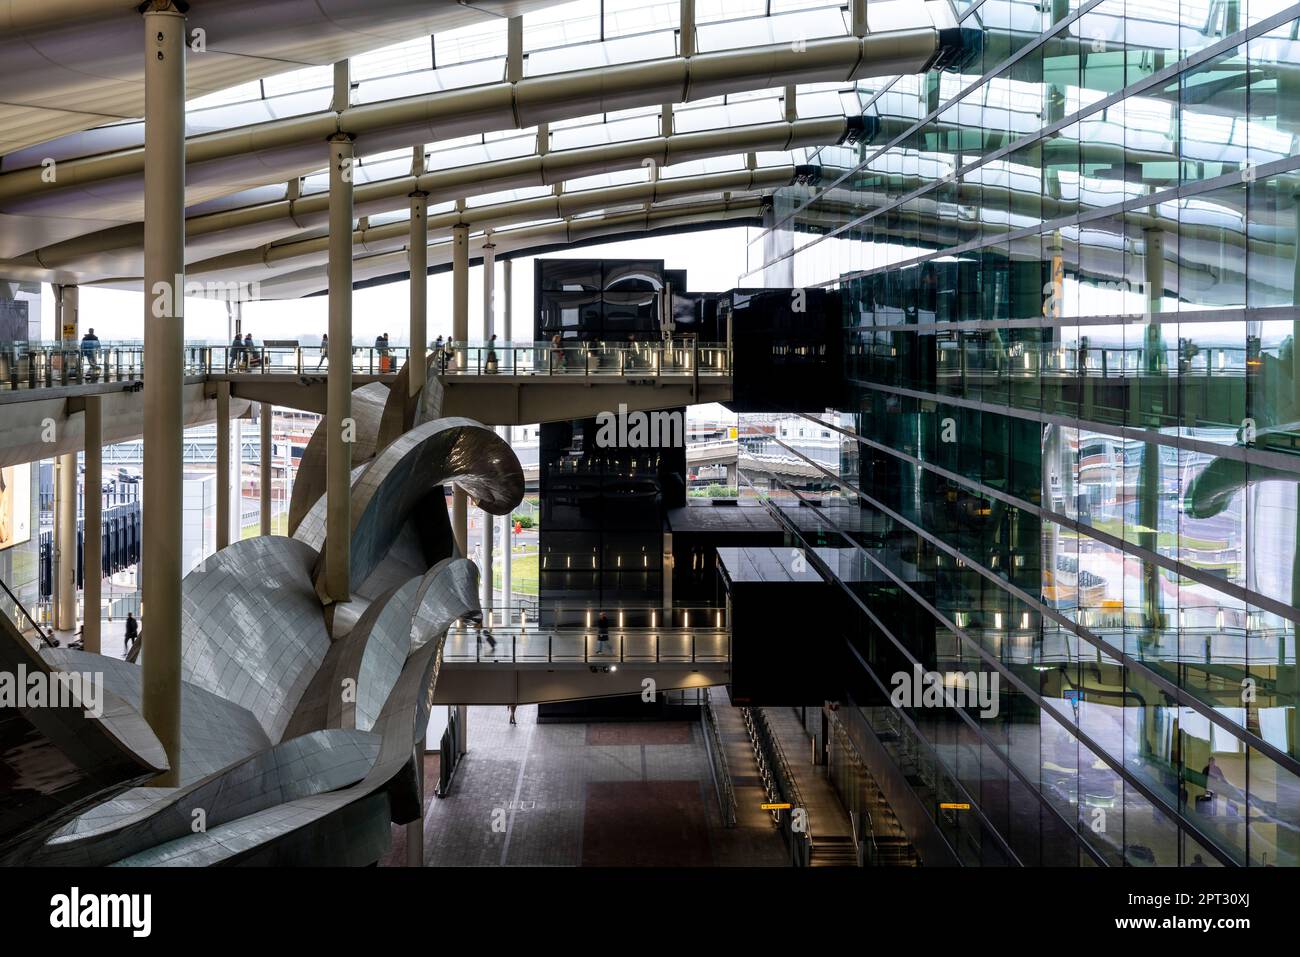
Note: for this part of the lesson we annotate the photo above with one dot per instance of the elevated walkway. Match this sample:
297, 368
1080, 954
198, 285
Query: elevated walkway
512, 384
530, 664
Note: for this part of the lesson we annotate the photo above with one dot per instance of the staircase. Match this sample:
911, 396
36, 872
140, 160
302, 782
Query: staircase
834, 851
887, 844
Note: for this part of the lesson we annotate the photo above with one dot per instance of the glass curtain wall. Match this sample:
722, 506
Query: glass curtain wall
1068, 279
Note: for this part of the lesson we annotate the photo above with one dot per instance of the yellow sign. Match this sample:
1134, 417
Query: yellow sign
776, 807
732, 433
954, 807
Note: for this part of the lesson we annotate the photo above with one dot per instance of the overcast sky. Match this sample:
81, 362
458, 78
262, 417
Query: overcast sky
714, 260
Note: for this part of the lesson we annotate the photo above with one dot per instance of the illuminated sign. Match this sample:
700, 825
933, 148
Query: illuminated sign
954, 807
776, 807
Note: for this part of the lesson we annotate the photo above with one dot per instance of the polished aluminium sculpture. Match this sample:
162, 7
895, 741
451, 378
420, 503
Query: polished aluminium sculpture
299, 724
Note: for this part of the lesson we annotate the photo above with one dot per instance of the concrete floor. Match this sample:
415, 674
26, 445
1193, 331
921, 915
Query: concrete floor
635, 794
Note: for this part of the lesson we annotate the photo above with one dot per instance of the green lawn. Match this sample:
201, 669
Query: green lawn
279, 526
523, 574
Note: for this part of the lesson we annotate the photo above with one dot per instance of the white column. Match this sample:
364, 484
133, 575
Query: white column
338, 453
460, 337
92, 496
489, 289
223, 464
418, 260
65, 542
164, 338
507, 546
507, 288
266, 417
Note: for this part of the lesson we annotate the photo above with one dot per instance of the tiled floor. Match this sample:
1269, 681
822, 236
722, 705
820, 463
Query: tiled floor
598, 794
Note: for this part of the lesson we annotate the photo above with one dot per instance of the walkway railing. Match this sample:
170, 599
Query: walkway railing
780, 786
47, 365
570, 358
718, 761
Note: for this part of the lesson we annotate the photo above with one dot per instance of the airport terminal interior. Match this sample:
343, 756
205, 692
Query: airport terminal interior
411, 411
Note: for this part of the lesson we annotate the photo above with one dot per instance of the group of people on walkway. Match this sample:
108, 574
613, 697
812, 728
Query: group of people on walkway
243, 354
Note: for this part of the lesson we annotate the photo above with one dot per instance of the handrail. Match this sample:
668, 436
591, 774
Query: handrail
19, 605
722, 779
779, 783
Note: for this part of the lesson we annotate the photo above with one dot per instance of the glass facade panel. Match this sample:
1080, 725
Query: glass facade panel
1068, 282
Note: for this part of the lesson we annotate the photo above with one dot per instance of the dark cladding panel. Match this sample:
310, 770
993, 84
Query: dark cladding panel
783, 640
788, 349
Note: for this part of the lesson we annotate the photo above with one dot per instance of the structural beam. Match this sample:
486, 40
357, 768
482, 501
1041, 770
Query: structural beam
223, 464
92, 566
265, 414
338, 451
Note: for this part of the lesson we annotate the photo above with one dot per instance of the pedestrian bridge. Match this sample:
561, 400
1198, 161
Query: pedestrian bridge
527, 661
505, 384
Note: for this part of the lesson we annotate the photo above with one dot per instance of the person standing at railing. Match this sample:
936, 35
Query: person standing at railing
324, 350
236, 350
557, 352
602, 633
490, 363
90, 350
250, 360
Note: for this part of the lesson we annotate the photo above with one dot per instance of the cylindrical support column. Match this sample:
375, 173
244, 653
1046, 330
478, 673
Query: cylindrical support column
489, 586
460, 520
460, 286
507, 290
92, 561
223, 464
418, 252
164, 338
338, 449
65, 542
415, 830
236, 481
265, 417
507, 545
489, 290
462, 729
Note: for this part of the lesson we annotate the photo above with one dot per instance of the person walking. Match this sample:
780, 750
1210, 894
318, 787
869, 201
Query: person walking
324, 350
512, 713
602, 634
486, 635
132, 631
